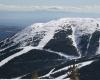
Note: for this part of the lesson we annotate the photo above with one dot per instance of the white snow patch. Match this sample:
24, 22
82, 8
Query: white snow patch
98, 50
21, 76
7, 47
73, 37
62, 77
48, 74
85, 63
49, 35
61, 54
65, 68
26, 49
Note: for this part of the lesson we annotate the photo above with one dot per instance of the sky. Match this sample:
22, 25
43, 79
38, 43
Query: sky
25, 12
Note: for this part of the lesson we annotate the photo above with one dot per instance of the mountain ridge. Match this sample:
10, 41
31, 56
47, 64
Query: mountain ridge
64, 39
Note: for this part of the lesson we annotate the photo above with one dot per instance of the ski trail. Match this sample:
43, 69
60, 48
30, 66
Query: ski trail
88, 44
61, 54
62, 77
47, 75
98, 50
25, 50
85, 63
46, 38
80, 65
6, 47
21, 76
42, 43
74, 41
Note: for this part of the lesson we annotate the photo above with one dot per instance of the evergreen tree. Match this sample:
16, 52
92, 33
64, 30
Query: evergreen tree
73, 72
34, 75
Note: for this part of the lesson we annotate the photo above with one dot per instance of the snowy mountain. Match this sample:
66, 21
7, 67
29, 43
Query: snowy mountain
49, 48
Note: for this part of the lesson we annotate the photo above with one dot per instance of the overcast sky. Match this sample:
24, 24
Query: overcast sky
92, 6
50, 2
26, 12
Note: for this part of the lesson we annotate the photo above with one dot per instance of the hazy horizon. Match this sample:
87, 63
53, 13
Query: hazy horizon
27, 12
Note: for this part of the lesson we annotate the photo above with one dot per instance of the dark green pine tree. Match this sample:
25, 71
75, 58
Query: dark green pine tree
73, 72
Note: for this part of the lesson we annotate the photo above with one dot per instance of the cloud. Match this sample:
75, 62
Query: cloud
83, 8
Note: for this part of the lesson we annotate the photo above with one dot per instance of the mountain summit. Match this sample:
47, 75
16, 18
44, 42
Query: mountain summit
42, 46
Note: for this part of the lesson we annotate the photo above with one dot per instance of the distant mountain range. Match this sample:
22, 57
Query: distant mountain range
48, 49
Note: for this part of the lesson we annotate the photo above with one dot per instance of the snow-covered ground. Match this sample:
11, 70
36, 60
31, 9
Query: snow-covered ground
44, 32
26, 49
80, 65
79, 27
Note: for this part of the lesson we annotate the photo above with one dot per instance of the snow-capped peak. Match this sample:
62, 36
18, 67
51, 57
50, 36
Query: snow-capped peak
39, 34
81, 25
51, 44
